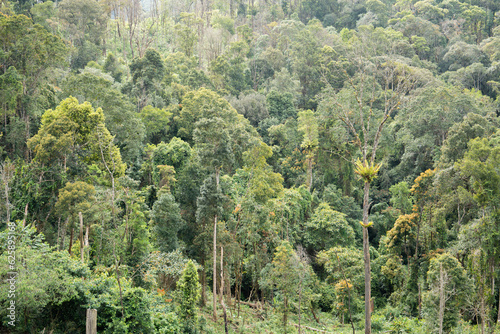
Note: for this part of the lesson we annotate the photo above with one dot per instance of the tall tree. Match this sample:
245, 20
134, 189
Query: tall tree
363, 107
215, 151
28, 52
308, 124
188, 293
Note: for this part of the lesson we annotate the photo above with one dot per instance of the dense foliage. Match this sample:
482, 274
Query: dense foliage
210, 166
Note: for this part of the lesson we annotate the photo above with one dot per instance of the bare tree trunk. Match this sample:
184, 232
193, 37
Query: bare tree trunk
117, 263
203, 283
25, 214
7, 174
313, 313
63, 234
300, 302
70, 242
221, 291
498, 315
482, 307
80, 236
366, 253
222, 288
442, 300
214, 289
285, 314
58, 241
309, 173
86, 243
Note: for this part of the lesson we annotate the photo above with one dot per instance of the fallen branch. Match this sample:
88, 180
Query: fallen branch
256, 305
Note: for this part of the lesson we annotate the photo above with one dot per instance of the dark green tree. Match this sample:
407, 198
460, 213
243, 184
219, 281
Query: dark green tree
188, 294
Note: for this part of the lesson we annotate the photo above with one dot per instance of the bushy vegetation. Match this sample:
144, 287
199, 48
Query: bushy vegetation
251, 167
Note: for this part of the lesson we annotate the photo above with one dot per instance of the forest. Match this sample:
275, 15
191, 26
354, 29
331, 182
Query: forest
260, 166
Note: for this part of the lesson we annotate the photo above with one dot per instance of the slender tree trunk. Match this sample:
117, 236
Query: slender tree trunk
222, 288
313, 313
70, 242
203, 283
117, 263
63, 234
214, 268
86, 243
309, 173
498, 315
482, 308
214, 290
300, 302
366, 253
80, 235
7, 171
285, 314
442, 300
26, 214
240, 282
348, 296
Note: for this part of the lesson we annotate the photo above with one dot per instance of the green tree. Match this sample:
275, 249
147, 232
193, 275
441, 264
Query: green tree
167, 221
479, 163
283, 274
252, 106
188, 294
74, 198
185, 33
400, 197
309, 126
43, 14
472, 126
76, 131
42, 276
147, 75
354, 106
157, 122
280, 105
448, 284
93, 86
213, 145
84, 22
33, 52
327, 228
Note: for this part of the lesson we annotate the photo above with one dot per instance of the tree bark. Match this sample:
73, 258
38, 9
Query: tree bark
498, 316
70, 242
309, 173
442, 300
214, 276
222, 288
300, 302
25, 214
80, 236
214, 268
203, 283
366, 253
91, 326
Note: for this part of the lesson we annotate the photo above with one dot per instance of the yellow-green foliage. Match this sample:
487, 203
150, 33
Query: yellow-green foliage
72, 128
368, 172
